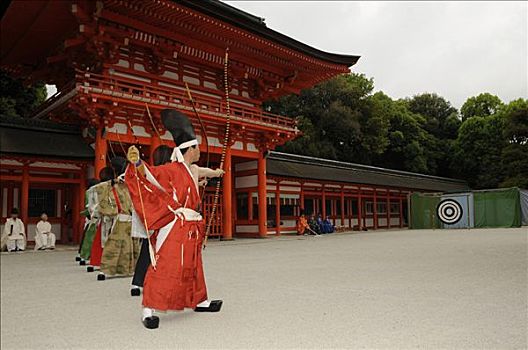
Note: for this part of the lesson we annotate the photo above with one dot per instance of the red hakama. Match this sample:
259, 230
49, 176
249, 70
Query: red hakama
97, 250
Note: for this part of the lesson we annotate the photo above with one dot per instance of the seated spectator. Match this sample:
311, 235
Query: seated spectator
14, 233
320, 223
302, 225
44, 238
328, 227
314, 226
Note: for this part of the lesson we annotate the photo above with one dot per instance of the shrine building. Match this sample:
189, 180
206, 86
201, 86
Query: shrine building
117, 63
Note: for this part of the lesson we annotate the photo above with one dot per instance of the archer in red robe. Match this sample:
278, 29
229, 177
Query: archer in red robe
167, 200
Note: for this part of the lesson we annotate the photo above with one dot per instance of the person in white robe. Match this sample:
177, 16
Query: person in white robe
14, 233
44, 238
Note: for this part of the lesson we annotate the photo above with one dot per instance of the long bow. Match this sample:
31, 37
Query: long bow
204, 131
224, 147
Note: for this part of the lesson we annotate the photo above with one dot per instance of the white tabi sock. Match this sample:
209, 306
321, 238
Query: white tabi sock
135, 287
147, 312
204, 303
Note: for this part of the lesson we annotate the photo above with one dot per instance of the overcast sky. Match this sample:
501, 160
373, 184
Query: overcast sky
456, 49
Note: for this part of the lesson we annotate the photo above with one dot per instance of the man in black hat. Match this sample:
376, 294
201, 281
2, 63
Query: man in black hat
167, 200
14, 233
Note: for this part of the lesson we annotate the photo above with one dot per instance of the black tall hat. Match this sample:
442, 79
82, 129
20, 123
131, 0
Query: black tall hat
179, 126
181, 129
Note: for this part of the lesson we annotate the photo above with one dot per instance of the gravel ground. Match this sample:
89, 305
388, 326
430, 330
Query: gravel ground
386, 289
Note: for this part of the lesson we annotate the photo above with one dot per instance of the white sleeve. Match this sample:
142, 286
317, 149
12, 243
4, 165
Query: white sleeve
6, 230
152, 179
22, 227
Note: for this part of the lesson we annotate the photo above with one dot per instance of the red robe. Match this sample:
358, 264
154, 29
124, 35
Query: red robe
178, 280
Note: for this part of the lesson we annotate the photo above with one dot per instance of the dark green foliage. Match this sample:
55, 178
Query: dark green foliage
515, 152
343, 119
17, 100
482, 105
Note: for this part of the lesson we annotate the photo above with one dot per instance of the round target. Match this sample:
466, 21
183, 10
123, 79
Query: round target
449, 211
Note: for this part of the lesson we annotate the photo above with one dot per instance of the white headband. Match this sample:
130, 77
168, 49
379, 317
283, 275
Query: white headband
176, 153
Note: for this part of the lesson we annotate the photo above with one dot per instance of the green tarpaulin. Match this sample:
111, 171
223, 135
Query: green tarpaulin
423, 211
491, 208
497, 208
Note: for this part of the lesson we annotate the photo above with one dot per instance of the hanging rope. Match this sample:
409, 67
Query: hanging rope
224, 148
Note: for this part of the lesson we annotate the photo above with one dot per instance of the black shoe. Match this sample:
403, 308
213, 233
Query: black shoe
82, 262
214, 306
101, 277
151, 322
135, 292
90, 269
77, 258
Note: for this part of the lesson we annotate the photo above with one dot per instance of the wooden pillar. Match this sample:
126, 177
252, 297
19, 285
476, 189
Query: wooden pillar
155, 142
82, 204
301, 199
24, 196
261, 178
101, 147
401, 211
323, 210
375, 209
227, 197
342, 206
75, 210
388, 209
360, 223
277, 209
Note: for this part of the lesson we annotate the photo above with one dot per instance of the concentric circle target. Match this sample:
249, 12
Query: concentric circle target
449, 211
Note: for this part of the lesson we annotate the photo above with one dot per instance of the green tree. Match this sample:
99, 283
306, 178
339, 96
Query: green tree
18, 100
515, 152
337, 120
406, 137
441, 122
437, 111
483, 105
478, 151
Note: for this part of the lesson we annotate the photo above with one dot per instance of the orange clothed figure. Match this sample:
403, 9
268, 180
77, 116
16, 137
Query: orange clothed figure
302, 225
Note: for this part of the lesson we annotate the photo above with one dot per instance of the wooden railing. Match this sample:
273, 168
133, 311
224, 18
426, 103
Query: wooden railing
145, 92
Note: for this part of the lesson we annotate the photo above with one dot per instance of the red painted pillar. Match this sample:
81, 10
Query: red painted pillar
101, 147
155, 142
360, 223
261, 178
75, 210
375, 210
301, 199
277, 209
342, 206
227, 196
388, 209
24, 196
82, 204
324, 203
401, 211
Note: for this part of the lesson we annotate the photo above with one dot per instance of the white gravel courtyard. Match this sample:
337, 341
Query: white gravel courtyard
393, 289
